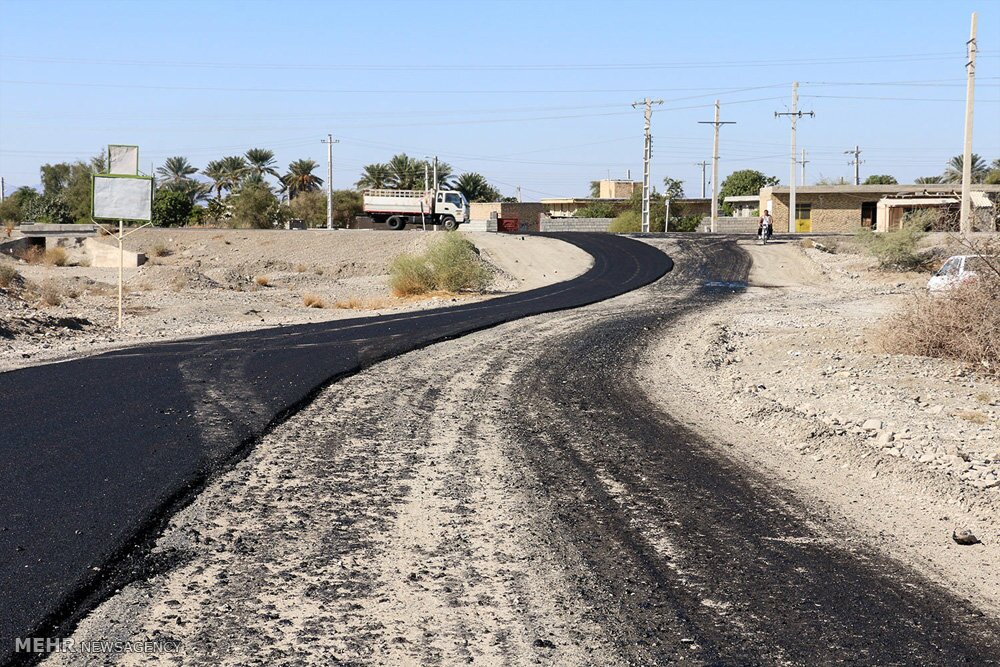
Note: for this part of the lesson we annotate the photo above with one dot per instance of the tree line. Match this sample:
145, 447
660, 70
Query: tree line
233, 191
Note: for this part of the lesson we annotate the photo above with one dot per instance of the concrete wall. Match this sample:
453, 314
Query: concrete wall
575, 224
617, 189
106, 255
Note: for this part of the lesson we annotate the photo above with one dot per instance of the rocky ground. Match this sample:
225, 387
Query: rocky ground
674, 476
206, 281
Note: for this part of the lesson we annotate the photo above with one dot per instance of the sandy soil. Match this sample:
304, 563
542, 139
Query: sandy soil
208, 281
789, 374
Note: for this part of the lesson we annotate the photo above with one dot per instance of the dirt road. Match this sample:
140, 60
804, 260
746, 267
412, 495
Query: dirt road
516, 497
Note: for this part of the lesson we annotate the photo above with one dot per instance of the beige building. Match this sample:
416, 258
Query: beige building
847, 208
614, 189
525, 212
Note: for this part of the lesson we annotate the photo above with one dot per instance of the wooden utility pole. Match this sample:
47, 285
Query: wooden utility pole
965, 222
794, 114
715, 162
647, 154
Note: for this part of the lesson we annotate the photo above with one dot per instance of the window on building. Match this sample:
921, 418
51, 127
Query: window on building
803, 211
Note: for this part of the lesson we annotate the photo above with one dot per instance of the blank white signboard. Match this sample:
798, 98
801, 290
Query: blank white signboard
123, 198
123, 160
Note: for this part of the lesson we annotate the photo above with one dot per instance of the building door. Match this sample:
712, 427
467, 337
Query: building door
803, 218
869, 215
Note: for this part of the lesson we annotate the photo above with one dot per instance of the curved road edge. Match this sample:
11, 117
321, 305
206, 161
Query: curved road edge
132, 435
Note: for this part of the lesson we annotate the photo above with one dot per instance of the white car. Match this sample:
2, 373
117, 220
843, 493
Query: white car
955, 271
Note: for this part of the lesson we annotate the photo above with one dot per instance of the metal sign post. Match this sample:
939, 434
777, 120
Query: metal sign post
122, 194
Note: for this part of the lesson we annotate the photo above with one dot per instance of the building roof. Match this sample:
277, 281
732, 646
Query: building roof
743, 198
882, 189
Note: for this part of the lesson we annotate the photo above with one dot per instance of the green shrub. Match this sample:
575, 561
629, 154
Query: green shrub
171, 208
450, 264
628, 222
599, 209
895, 250
687, 223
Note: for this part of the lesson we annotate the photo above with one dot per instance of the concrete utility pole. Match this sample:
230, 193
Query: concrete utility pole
804, 162
435, 173
702, 164
715, 162
794, 114
647, 154
329, 141
519, 194
2, 190
965, 222
856, 162
425, 175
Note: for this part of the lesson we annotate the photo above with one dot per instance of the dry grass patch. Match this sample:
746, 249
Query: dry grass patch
262, 281
159, 249
8, 276
50, 295
313, 301
984, 398
301, 268
974, 416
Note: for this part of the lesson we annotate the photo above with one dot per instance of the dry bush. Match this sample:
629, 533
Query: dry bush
159, 249
451, 264
960, 324
263, 281
32, 254
350, 304
313, 301
50, 295
301, 268
895, 250
318, 272
364, 304
8, 227
8, 275
974, 416
54, 257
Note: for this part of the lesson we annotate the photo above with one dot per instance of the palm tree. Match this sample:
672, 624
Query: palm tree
476, 188
194, 190
300, 177
374, 176
953, 174
216, 171
927, 180
234, 168
405, 172
176, 169
260, 161
252, 180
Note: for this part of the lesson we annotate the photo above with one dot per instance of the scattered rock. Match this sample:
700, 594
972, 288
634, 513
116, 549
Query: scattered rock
964, 536
872, 425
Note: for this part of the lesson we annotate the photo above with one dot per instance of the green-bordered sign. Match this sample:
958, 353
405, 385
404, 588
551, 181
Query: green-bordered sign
121, 197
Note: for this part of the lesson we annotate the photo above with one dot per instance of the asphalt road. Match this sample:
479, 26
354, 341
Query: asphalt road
99, 451
693, 557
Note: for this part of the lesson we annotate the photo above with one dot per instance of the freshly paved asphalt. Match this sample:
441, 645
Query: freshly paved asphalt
97, 452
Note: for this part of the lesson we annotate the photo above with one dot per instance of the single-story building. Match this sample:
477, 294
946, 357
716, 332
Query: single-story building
566, 207
526, 212
847, 208
743, 206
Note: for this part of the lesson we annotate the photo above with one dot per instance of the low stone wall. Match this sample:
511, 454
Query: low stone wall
730, 225
547, 224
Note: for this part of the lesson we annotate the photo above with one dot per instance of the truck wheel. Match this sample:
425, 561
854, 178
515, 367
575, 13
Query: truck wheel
395, 223
449, 223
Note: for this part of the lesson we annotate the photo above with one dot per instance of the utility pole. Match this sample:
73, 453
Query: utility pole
794, 114
803, 162
702, 164
435, 173
329, 141
647, 154
519, 194
856, 162
425, 176
715, 162
2, 190
965, 222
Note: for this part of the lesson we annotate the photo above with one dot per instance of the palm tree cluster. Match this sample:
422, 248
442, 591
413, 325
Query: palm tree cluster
228, 175
404, 173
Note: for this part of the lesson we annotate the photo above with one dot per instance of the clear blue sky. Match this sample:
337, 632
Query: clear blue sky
531, 93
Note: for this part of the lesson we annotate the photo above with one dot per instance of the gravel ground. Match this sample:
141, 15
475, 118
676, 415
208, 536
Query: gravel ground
589, 488
207, 283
